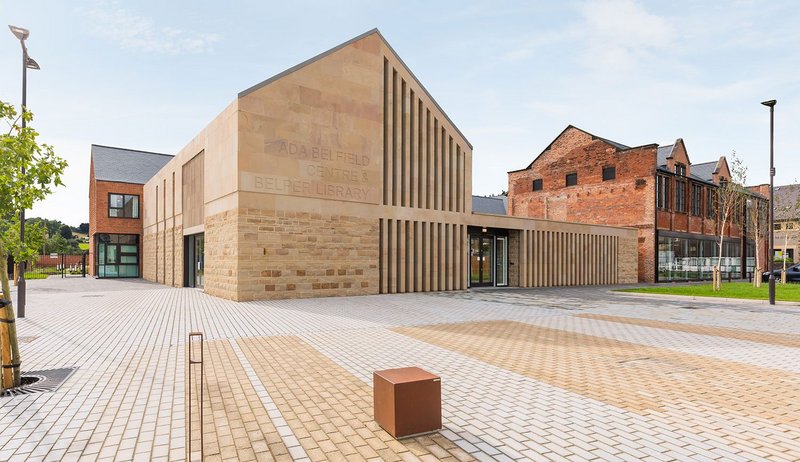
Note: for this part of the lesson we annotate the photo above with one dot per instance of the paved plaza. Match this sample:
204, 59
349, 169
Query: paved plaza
570, 374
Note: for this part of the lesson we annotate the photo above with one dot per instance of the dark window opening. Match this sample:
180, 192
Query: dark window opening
680, 169
680, 196
609, 173
537, 185
662, 192
697, 200
710, 202
572, 179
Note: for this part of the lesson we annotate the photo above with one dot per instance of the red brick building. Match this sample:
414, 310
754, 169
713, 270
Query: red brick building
116, 178
581, 177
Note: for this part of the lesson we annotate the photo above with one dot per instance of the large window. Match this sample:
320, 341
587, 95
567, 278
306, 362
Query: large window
680, 195
697, 200
123, 206
710, 198
117, 255
662, 192
687, 259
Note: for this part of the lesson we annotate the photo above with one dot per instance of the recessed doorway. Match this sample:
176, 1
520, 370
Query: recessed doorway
194, 260
488, 258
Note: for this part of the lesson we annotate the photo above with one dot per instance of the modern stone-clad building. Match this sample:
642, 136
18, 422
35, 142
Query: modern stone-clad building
581, 177
343, 176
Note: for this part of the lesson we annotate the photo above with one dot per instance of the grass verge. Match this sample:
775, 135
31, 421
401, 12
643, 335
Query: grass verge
743, 290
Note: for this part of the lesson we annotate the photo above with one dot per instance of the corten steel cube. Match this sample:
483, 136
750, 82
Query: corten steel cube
407, 401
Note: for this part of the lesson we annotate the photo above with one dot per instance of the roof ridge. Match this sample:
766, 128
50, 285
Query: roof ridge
132, 150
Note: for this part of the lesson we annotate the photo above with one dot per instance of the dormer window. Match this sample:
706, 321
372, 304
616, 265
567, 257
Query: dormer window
680, 170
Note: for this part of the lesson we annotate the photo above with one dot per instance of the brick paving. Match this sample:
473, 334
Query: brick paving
542, 374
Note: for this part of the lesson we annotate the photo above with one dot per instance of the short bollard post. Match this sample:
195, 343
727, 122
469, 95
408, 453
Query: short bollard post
407, 401
194, 361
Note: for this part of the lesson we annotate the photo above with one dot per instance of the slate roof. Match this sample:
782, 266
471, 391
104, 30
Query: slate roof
619, 146
126, 165
495, 205
787, 196
704, 171
662, 153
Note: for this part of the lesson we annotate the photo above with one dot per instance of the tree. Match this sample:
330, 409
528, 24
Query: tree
57, 244
757, 229
66, 232
728, 202
83, 228
28, 173
34, 239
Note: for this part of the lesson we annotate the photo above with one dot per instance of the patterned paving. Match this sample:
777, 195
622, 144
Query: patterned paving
547, 374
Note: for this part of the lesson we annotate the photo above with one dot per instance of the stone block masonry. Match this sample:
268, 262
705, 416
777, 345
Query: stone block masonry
283, 254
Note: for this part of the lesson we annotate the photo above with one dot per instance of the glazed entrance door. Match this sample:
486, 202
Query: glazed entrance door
194, 264
481, 261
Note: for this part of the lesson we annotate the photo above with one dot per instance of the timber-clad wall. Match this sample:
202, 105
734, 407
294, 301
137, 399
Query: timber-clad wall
421, 256
556, 258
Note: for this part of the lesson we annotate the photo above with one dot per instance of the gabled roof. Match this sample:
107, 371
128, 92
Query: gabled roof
343, 45
663, 153
614, 144
126, 165
786, 197
495, 205
704, 171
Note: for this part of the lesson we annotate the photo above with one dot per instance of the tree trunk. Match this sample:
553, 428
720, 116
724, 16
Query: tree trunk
9, 349
718, 278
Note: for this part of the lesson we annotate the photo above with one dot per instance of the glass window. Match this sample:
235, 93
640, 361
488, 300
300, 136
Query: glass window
776, 226
680, 196
697, 203
123, 206
572, 179
609, 173
682, 259
711, 202
662, 192
537, 185
117, 255
680, 169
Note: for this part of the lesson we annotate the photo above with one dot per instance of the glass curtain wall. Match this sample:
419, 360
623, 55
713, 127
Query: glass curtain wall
687, 259
117, 255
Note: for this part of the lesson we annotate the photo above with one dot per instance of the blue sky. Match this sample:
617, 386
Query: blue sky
151, 74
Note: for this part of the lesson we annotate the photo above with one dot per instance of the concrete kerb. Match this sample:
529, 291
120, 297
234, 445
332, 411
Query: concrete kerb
710, 300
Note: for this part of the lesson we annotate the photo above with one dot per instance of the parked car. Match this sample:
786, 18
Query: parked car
792, 273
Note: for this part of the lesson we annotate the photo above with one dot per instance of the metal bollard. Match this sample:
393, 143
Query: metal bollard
193, 361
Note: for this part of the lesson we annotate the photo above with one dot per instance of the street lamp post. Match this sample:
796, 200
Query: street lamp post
27, 63
771, 105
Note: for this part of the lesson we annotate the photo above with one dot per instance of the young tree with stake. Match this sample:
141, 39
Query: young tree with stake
28, 173
728, 201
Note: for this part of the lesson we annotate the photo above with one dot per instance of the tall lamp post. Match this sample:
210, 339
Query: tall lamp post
27, 63
771, 105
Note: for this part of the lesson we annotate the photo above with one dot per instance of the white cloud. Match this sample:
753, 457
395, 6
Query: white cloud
619, 33
137, 32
